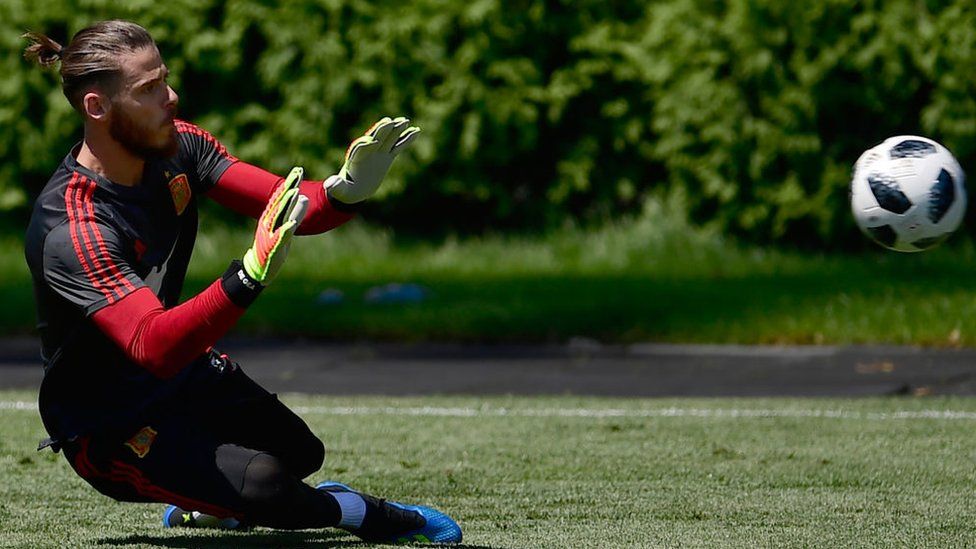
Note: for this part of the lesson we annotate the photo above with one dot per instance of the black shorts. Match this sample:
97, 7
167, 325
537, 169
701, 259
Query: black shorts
180, 456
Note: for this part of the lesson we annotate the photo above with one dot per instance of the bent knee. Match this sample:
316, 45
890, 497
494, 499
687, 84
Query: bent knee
311, 459
304, 456
266, 481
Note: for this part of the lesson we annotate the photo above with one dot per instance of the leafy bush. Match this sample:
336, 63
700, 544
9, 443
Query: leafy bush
537, 113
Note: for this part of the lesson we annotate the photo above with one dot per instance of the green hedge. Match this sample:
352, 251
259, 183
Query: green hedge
537, 113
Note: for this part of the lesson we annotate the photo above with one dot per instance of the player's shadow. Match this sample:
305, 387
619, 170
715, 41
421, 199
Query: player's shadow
256, 539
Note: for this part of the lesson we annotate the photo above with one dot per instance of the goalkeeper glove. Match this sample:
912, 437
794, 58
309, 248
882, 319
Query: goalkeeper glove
368, 158
276, 226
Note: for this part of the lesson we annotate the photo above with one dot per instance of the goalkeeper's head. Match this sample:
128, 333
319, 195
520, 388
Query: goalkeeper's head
113, 75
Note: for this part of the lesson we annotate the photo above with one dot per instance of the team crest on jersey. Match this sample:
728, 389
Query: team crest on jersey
142, 441
179, 188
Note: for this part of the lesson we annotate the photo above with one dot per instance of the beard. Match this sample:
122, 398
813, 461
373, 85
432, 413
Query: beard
139, 140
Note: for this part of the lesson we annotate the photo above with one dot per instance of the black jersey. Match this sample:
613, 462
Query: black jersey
90, 243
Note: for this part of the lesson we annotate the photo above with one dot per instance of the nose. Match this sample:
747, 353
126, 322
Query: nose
172, 98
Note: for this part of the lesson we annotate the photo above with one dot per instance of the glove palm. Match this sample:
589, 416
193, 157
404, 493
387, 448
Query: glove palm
369, 157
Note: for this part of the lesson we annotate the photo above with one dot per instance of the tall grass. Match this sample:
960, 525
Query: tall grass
658, 242
654, 277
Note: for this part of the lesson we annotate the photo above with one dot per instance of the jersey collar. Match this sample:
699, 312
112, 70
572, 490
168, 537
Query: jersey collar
132, 192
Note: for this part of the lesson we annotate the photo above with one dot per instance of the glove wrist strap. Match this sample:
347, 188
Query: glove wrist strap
239, 286
341, 206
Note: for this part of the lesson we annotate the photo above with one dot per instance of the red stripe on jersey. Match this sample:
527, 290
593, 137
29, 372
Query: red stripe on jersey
82, 465
124, 473
70, 202
138, 480
112, 268
186, 127
88, 230
83, 196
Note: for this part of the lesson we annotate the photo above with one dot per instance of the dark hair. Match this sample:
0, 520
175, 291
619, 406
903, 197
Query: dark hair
91, 58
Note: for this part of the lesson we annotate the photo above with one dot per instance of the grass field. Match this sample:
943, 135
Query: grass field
580, 472
650, 279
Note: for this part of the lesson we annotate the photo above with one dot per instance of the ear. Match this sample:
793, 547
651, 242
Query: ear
96, 105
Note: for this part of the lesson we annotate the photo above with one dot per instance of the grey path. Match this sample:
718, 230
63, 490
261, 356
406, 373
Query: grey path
580, 368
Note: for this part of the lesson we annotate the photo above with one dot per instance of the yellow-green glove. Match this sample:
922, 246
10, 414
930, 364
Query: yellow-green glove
276, 226
368, 158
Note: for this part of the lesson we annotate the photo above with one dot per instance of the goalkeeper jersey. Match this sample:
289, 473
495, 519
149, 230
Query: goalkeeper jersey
91, 242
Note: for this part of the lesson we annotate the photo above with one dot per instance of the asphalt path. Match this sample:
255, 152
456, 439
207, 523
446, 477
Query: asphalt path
578, 368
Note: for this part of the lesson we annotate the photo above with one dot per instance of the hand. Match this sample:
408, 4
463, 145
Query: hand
368, 158
276, 226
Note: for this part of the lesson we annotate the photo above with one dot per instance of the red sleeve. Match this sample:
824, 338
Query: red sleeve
164, 341
246, 189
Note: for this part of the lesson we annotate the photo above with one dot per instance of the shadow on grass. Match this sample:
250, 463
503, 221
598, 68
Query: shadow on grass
263, 539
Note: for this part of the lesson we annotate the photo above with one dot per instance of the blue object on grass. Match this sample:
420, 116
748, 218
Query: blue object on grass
396, 292
330, 296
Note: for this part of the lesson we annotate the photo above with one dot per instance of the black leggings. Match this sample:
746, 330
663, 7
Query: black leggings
232, 450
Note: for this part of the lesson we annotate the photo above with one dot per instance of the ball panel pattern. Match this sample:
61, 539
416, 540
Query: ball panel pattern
941, 196
912, 148
884, 235
888, 194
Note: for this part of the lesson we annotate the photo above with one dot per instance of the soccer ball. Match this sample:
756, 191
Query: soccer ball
908, 193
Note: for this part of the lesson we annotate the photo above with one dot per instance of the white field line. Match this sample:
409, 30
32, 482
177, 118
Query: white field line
723, 413
733, 413
17, 405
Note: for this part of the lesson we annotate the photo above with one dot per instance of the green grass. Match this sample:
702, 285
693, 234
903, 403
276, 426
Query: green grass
534, 472
650, 279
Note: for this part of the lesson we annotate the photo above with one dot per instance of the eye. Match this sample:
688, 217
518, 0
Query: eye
154, 86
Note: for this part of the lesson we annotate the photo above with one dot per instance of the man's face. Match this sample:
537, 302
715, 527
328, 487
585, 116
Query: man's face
141, 118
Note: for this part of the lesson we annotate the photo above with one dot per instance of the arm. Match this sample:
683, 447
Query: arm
164, 341
85, 262
245, 189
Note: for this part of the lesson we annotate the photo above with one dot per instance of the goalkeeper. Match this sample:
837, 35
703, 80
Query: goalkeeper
134, 393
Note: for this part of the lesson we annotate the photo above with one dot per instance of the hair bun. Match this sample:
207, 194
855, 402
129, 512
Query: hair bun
52, 54
42, 49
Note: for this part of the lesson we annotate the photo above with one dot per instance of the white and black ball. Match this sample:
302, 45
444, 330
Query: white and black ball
908, 193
